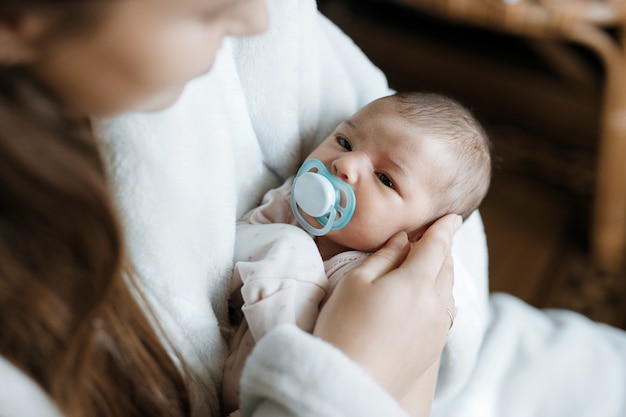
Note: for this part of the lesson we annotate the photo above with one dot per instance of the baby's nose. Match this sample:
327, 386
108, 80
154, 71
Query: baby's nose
351, 166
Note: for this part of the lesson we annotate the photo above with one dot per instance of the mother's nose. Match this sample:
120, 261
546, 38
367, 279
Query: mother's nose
351, 166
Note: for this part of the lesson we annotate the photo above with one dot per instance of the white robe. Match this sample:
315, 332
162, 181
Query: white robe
184, 175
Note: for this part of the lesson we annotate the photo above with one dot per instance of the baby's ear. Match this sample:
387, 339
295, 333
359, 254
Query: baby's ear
18, 38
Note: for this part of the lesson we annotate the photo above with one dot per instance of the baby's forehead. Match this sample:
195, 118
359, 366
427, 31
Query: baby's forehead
385, 130
420, 156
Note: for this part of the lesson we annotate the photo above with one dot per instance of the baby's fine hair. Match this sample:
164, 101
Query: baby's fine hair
443, 118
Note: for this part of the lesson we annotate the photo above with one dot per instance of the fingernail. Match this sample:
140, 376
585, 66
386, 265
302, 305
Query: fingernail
399, 240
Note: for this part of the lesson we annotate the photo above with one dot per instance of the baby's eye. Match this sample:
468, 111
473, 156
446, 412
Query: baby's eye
343, 142
386, 181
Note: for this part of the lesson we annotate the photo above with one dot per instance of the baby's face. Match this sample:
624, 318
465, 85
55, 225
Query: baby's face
393, 170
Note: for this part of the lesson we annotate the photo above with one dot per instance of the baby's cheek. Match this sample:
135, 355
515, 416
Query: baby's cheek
364, 237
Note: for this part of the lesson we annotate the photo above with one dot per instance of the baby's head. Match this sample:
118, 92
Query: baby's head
466, 172
410, 158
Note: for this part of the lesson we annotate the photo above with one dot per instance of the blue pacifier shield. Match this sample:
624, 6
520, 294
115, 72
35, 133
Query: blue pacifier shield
318, 193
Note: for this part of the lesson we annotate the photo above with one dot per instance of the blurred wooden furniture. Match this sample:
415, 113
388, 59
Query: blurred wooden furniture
599, 26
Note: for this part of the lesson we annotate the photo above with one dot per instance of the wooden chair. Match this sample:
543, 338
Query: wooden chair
597, 25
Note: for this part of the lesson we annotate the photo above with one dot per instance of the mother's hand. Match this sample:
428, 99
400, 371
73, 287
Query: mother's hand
389, 314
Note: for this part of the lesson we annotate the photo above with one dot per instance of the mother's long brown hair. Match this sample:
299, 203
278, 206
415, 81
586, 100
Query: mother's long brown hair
69, 317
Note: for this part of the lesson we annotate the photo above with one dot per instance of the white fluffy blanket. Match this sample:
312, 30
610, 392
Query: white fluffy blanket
550, 363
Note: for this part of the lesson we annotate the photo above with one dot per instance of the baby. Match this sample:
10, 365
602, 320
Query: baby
407, 160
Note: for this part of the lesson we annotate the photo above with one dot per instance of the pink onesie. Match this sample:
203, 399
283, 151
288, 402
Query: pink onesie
279, 277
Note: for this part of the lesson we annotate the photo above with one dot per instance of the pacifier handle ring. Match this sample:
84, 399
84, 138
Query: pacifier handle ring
328, 220
327, 226
346, 211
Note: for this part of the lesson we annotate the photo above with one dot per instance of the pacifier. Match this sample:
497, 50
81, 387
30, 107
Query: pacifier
318, 193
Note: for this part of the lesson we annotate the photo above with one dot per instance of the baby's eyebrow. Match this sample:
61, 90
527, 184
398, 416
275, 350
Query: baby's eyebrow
350, 123
396, 161
398, 166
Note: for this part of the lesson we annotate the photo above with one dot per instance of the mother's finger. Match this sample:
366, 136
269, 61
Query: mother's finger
444, 284
429, 254
445, 278
385, 259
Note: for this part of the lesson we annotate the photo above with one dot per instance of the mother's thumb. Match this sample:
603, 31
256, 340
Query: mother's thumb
397, 241
387, 258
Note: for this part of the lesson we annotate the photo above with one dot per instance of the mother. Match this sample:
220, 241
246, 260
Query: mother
96, 322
